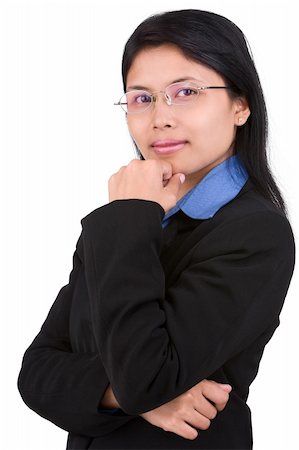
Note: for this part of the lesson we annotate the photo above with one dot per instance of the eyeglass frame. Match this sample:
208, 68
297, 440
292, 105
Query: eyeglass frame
168, 99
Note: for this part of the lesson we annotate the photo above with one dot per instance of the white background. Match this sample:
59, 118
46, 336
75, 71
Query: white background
61, 138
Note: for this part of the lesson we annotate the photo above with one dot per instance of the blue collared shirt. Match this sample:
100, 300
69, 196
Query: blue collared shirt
217, 188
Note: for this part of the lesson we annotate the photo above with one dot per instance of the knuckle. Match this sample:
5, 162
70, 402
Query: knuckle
225, 397
169, 425
132, 164
111, 179
172, 198
206, 424
189, 394
214, 413
151, 162
193, 435
220, 406
152, 165
179, 411
199, 388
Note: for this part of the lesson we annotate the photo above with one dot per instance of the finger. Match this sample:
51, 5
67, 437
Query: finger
214, 393
227, 387
175, 182
182, 429
198, 420
221, 405
121, 169
166, 169
204, 407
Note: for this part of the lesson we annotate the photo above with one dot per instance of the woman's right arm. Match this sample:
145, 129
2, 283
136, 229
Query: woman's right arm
60, 385
192, 410
70, 389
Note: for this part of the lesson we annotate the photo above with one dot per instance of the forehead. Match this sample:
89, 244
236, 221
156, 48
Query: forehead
156, 67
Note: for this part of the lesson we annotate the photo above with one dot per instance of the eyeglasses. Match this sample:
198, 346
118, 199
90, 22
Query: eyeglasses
181, 93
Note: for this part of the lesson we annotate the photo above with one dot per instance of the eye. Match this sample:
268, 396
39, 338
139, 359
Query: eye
186, 92
142, 98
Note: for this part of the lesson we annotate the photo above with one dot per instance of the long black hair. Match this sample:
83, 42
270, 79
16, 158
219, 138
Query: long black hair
218, 43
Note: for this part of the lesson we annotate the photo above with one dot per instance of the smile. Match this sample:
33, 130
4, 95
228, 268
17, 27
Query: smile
165, 147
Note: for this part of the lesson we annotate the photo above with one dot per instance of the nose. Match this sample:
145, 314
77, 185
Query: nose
166, 96
162, 113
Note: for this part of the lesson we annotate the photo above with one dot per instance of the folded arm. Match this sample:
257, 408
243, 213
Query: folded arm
227, 292
63, 386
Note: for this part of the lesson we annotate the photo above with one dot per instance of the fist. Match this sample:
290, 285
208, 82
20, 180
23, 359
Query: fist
147, 180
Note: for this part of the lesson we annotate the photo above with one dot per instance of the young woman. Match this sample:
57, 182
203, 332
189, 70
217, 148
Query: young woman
178, 282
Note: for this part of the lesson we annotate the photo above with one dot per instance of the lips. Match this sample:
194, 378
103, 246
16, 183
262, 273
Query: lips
165, 146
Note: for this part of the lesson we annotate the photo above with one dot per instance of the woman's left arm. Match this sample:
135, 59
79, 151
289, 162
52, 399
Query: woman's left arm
228, 293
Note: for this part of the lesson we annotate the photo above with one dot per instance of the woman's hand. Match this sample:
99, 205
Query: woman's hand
146, 180
190, 410
193, 406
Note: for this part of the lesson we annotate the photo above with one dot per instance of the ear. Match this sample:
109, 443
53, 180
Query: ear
242, 111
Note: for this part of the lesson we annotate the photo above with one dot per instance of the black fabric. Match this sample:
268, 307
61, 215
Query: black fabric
154, 311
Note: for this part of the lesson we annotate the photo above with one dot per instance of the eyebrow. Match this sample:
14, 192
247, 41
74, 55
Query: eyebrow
144, 88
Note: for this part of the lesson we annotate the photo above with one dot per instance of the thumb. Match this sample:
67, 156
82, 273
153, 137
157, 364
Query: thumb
175, 182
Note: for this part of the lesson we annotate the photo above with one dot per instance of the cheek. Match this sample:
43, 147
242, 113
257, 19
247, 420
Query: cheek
215, 127
137, 133
136, 128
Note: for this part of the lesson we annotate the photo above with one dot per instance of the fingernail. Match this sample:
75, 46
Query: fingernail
182, 178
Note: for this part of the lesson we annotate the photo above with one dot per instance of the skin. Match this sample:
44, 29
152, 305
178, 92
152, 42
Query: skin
197, 406
209, 127
209, 124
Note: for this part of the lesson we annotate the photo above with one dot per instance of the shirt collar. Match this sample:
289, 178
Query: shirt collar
217, 188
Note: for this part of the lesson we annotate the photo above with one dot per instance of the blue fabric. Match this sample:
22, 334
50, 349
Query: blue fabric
217, 188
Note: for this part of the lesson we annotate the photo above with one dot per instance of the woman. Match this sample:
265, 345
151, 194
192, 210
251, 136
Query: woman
178, 282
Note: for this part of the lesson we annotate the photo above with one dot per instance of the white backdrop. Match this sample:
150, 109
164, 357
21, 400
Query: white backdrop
60, 140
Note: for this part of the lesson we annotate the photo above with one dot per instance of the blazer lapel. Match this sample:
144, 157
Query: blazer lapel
184, 233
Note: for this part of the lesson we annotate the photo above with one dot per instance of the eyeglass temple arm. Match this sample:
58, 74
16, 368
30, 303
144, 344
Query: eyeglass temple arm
201, 88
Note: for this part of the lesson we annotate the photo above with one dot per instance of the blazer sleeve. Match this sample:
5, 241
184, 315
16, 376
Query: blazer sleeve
62, 386
155, 345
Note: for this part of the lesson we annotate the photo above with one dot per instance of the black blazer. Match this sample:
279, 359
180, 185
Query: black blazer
153, 311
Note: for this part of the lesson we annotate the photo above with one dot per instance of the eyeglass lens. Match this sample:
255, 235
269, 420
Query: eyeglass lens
177, 93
